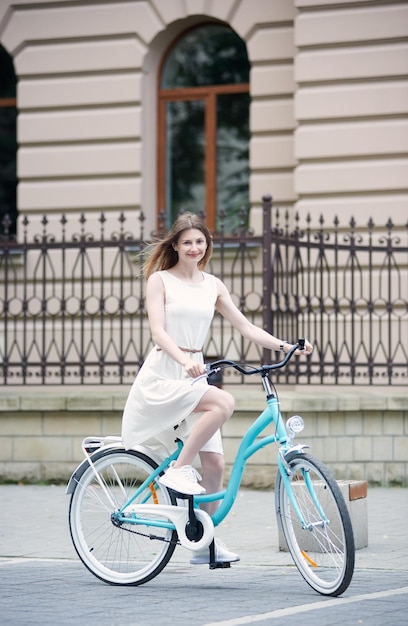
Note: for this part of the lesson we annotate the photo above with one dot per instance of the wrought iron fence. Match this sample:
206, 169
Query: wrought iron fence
346, 288
72, 308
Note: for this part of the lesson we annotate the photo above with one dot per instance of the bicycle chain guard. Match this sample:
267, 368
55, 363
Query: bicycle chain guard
143, 513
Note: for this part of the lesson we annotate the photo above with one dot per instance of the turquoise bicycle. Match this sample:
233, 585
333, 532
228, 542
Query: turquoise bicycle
125, 526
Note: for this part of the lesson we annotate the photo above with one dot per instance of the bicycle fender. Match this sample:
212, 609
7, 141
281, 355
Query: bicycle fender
300, 447
83, 466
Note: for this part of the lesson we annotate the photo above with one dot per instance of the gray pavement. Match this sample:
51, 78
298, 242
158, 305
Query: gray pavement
43, 582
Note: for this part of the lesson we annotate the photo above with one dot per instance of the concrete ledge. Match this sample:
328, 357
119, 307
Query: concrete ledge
247, 398
356, 444
355, 496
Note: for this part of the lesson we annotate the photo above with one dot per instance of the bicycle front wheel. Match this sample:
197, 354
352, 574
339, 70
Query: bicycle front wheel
119, 554
319, 533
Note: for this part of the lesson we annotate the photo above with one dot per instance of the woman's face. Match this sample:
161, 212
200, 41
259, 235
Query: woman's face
191, 245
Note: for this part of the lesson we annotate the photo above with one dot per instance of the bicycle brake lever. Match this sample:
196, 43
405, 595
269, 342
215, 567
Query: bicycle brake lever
206, 374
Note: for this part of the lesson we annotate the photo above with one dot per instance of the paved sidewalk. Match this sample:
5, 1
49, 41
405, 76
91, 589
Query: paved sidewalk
43, 582
34, 524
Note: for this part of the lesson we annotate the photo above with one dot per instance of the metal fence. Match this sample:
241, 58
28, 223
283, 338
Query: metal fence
344, 286
72, 308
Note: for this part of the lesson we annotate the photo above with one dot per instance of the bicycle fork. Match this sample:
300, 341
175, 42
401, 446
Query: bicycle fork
285, 473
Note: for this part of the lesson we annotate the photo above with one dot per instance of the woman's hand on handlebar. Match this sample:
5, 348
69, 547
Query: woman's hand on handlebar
307, 350
193, 368
302, 347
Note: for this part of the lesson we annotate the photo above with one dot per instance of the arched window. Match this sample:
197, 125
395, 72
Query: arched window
204, 125
8, 144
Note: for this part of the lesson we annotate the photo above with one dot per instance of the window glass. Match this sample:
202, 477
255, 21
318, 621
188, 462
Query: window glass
232, 155
185, 182
204, 126
8, 142
208, 55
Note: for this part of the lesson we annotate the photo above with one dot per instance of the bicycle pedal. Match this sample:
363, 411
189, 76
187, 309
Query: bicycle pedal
220, 565
178, 494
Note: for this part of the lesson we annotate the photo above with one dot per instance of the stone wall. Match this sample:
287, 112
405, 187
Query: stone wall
359, 434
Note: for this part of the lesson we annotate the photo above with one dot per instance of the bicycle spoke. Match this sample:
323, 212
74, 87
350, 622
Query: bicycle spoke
119, 553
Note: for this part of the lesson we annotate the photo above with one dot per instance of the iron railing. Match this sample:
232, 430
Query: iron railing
346, 288
72, 308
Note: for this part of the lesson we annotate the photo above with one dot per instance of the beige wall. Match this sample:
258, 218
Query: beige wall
86, 97
351, 103
328, 115
360, 435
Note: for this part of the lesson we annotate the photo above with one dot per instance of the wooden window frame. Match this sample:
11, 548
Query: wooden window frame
209, 95
8, 102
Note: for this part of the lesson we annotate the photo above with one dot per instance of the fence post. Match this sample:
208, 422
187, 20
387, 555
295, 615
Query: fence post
266, 268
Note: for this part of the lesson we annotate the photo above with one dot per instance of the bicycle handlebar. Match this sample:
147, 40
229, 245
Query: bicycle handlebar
216, 366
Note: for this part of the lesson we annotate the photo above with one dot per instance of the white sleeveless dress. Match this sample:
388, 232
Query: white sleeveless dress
162, 396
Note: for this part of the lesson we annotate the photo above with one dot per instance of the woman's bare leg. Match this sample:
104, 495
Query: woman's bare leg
212, 465
216, 407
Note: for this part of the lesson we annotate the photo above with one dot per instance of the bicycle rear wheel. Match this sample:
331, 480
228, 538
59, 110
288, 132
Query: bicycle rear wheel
119, 554
323, 550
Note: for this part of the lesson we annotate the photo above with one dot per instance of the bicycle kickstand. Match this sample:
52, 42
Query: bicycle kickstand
194, 530
216, 564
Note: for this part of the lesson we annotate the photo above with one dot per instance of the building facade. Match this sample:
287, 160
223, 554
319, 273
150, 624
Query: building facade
326, 134
328, 130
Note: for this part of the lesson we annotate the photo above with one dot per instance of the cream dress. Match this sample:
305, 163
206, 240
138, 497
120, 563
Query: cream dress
162, 399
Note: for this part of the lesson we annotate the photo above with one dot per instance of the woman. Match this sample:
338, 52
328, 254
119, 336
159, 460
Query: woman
181, 299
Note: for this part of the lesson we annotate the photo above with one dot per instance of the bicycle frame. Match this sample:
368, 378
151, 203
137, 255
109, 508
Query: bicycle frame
250, 445
323, 552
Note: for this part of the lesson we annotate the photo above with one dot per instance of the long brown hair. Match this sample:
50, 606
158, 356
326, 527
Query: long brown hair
162, 256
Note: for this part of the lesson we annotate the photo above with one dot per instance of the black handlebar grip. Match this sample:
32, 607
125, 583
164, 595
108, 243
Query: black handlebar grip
301, 343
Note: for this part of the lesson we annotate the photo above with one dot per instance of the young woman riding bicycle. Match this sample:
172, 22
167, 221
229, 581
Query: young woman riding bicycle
181, 300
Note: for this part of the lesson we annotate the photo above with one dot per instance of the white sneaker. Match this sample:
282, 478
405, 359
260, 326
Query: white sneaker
182, 479
222, 555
